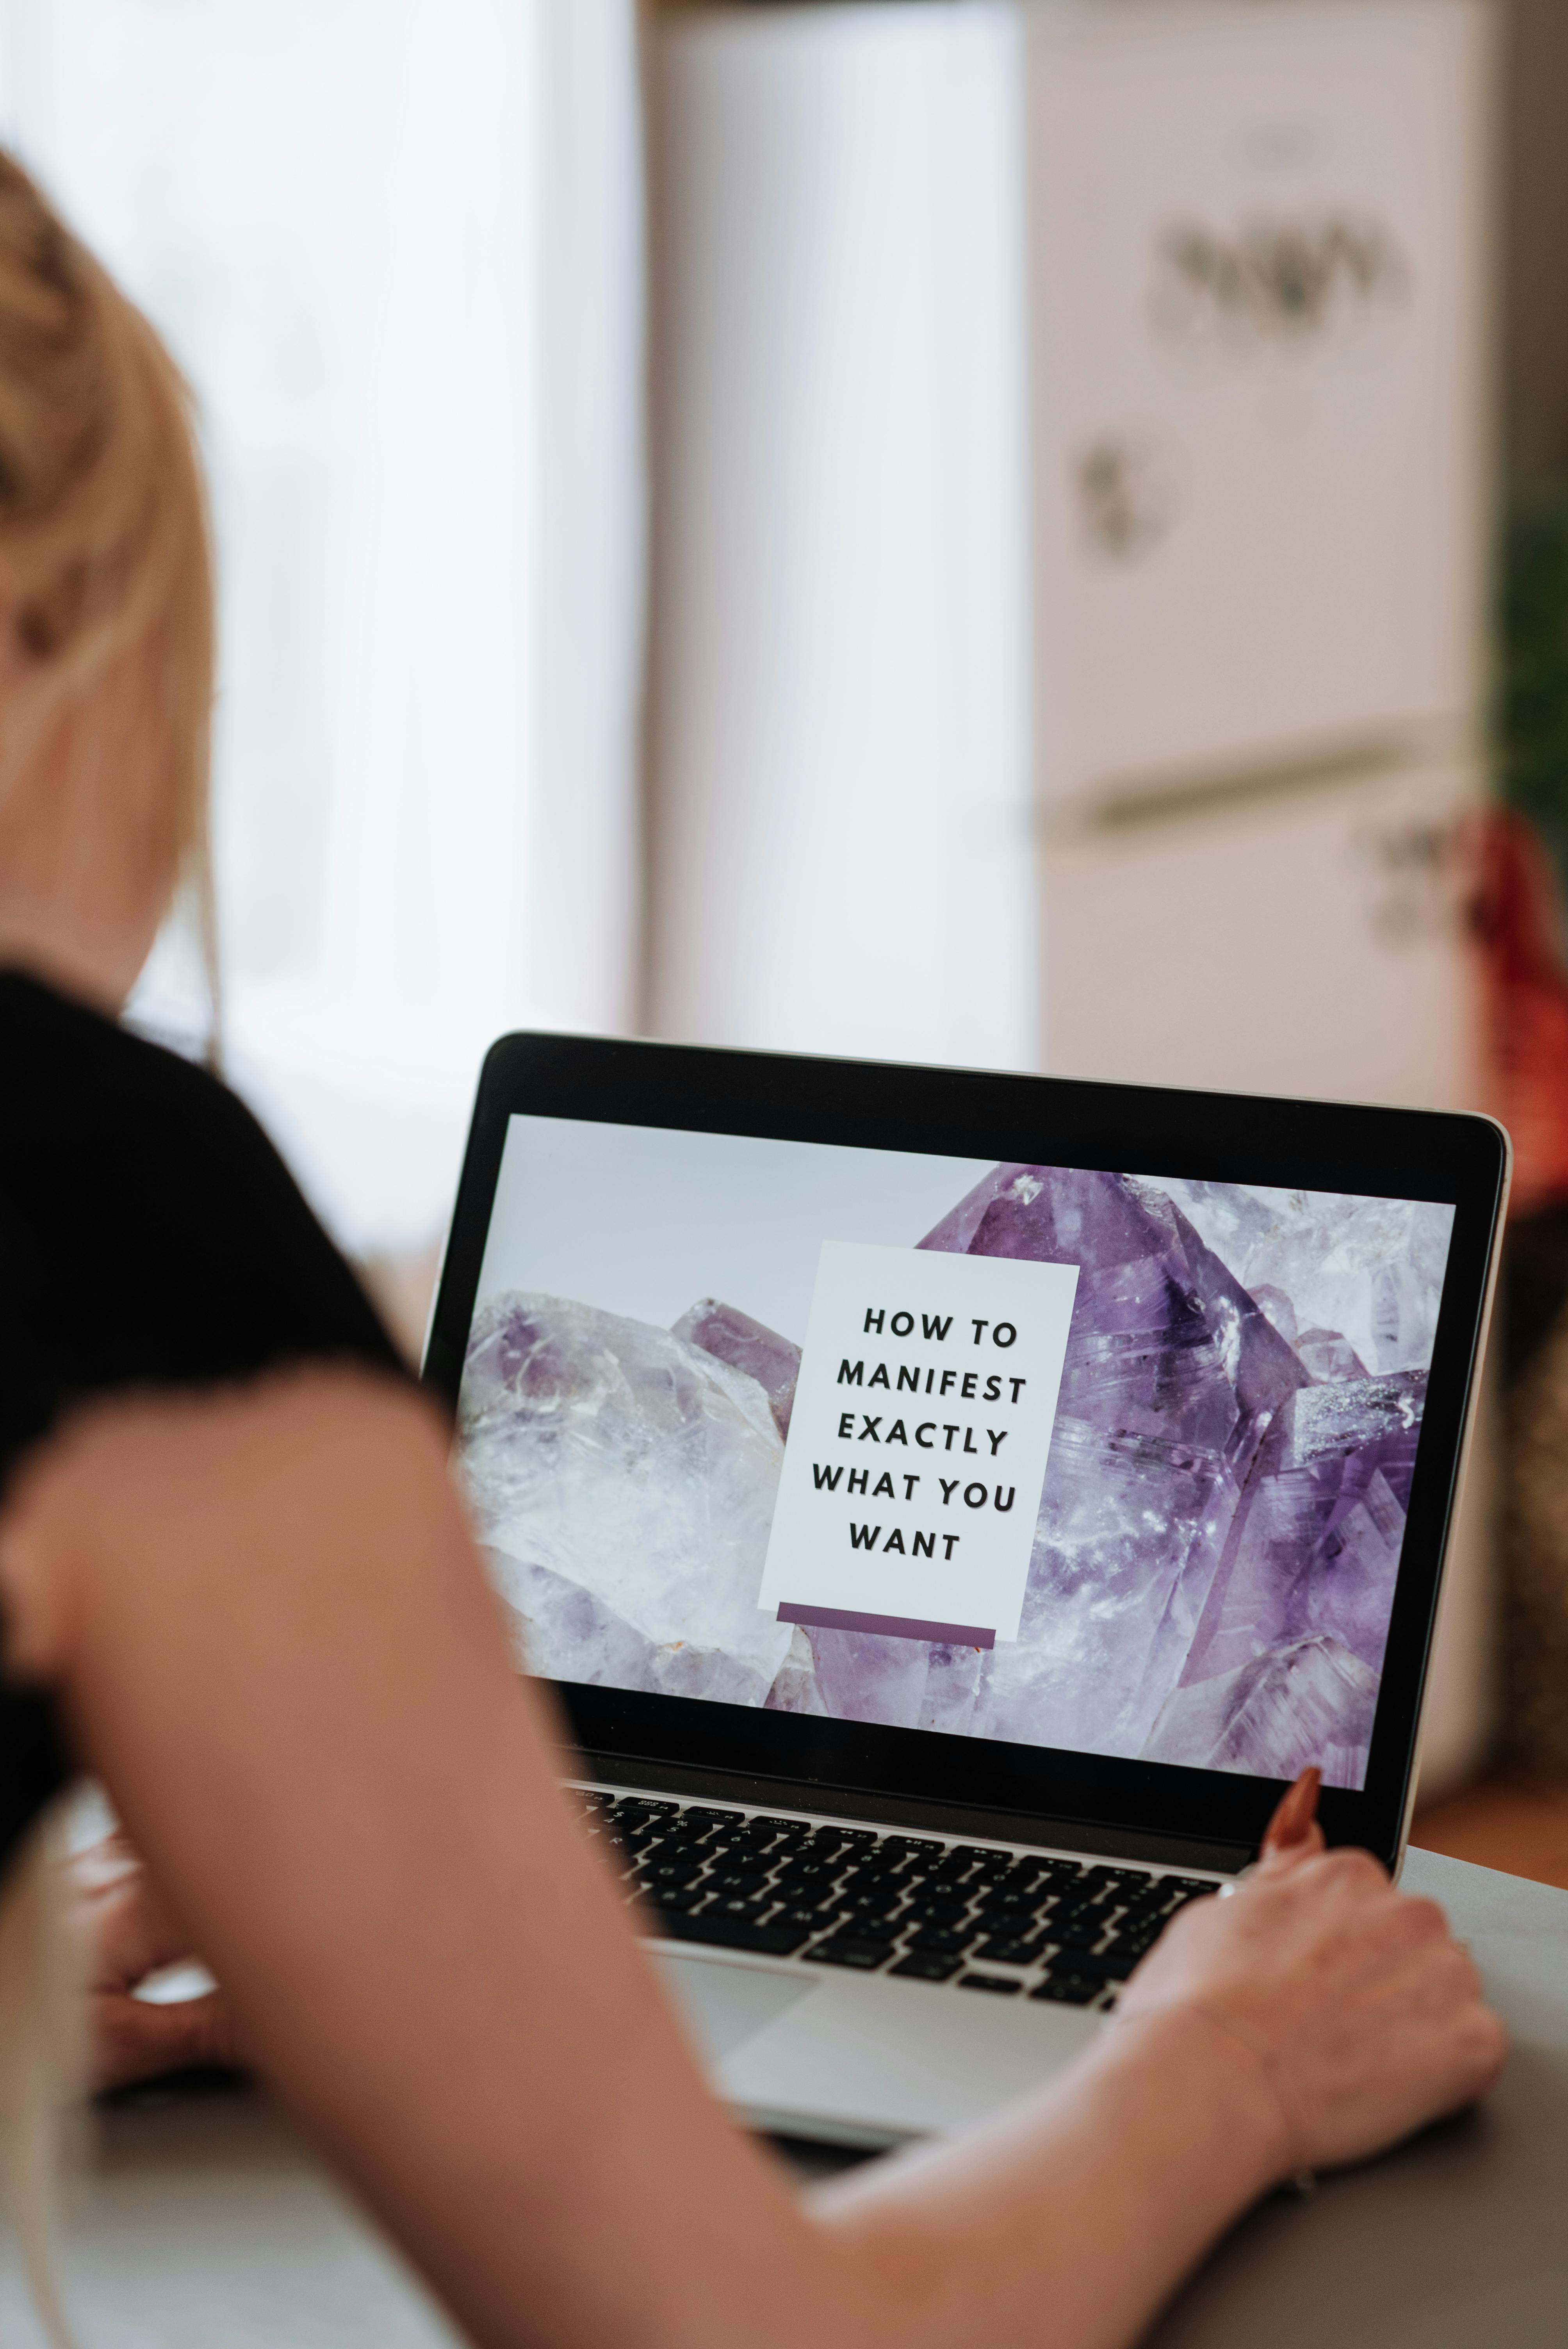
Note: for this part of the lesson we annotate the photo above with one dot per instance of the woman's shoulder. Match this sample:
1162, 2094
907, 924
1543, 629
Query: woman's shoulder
106, 1132
150, 1233
70, 1071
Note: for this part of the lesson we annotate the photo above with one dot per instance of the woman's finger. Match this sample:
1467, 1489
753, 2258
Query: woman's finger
134, 2039
129, 1933
1293, 1834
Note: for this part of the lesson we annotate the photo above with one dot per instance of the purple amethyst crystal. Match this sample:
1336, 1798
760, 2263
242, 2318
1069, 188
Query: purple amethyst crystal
1163, 1334
1317, 1547
1216, 1494
1328, 1355
733, 1337
1307, 1701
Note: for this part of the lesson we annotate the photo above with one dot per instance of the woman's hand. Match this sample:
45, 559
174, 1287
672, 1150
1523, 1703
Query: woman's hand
131, 1936
1310, 2017
1364, 2017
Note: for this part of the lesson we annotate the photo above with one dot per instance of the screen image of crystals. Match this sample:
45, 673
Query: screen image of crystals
1215, 1561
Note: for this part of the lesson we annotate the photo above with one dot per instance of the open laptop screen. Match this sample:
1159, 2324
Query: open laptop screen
1073, 1459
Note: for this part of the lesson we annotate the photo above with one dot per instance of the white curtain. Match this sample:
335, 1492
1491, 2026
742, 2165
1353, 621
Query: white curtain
397, 246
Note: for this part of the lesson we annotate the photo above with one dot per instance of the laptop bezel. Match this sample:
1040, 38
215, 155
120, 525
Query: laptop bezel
1312, 1146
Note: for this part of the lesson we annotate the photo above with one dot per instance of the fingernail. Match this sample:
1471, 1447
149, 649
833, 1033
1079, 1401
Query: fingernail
1291, 1821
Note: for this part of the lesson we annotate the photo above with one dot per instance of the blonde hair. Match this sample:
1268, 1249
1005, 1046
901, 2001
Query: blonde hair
104, 543
104, 559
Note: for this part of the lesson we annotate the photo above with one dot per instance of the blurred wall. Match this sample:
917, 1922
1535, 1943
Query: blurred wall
1261, 424
1534, 172
839, 759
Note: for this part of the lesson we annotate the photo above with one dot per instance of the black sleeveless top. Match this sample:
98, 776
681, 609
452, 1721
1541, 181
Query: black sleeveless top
149, 1236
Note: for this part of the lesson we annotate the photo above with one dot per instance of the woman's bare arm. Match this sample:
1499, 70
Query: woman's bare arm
275, 1643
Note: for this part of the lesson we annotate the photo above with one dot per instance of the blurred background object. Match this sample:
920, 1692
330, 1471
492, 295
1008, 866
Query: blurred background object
1523, 969
396, 245
1019, 532
838, 741
1260, 246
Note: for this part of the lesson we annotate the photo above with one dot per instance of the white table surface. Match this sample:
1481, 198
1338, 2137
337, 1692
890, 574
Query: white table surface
203, 2221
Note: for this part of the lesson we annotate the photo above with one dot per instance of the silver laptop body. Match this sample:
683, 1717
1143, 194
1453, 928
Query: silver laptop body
952, 1508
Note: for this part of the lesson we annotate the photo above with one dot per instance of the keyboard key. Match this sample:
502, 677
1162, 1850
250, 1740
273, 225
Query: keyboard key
938, 1907
923, 1965
633, 1847
906, 1844
1163, 1903
999, 1984
1195, 1885
954, 1864
1018, 1875
934, 1941
813, 1895
1146, 1908
1004, 1906
869, 1900
852, 1949
1096, 1965
1075, 1933
702, 1815
869, 1924
873, 1892
1125, 1880
811, 1920
670, 1899
809, 1880
737, 1883
989, 1863
748, 1907
1136, 1940
630, 1805
773, 1940
1068, 1989
1005, 1951
1075, 1903
871, 1861
677, 1874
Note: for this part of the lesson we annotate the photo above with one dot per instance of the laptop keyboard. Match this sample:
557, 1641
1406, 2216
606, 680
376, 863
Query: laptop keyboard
974, 1916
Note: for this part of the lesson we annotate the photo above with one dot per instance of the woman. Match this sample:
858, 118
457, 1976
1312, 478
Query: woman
231, 1555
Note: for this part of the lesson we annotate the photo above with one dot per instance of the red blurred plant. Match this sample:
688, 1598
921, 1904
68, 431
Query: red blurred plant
1516, 919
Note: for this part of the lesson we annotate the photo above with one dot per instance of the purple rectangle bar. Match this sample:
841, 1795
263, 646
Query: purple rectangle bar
892, 1627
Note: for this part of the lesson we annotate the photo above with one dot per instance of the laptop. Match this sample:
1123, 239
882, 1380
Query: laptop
951, 1508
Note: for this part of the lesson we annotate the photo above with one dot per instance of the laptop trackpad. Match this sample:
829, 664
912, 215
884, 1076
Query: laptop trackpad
725, 2004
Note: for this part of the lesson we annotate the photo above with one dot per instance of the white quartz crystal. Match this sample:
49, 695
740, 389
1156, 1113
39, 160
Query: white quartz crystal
622, 1482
